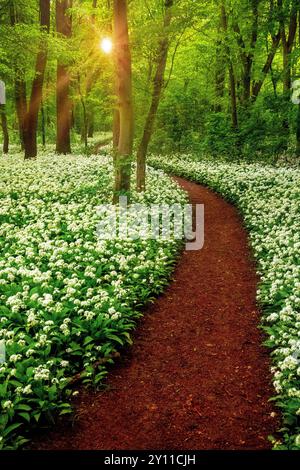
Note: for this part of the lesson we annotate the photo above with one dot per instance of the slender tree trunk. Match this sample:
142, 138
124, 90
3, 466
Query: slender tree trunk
20, 84
63, 102
220, 72
84, 128
116, 129
89, 106
274, 15
232, 85
247, 57
31, 118
247, 80
21, 106
90, 83
91, 123
287, 48
124, 93
257, 86
232, 81
158, 83
288, 41
43, 125
4, 129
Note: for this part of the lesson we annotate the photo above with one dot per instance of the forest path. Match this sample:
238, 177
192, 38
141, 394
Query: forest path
197, 376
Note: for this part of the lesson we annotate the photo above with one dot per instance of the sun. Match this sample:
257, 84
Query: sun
106, 45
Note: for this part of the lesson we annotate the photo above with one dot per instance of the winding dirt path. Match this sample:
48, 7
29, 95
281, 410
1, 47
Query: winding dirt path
197, 376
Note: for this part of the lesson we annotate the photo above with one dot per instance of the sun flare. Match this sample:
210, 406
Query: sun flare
106, 45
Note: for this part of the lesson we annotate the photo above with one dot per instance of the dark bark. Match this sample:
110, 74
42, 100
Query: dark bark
248, 57
63, 102
257, 86
4, 129
287, 42
124, 94
220, 72
31, 118
232, 80
91, 123
158, 83
234, 113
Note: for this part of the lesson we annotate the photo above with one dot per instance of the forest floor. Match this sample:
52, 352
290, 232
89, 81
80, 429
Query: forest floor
197, 375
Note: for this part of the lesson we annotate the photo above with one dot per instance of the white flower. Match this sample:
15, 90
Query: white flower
8, 404
15, 357
27, 390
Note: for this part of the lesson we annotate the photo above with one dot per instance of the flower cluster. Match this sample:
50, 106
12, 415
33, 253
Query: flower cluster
67, 299
269, 199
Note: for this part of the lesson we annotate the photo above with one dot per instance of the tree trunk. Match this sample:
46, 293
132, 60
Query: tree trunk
21, 106
232, 81
31, 118
90, 106
91, 123
124, 93
247, 80
4, 129
287, 48
232, 85
63, 103
257, 86
43, 124
287, 42
220, 72
20, 85
90, 83
84, 127
116, 129
247, 57
158, 83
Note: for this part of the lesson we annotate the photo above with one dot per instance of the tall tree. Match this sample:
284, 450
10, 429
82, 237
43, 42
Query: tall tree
31, 115
158, 83
63, 102
123, 154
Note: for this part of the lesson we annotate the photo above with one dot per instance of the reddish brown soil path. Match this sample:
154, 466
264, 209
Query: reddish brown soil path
197, 376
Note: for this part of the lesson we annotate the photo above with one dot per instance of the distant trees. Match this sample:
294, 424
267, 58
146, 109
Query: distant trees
211, 76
